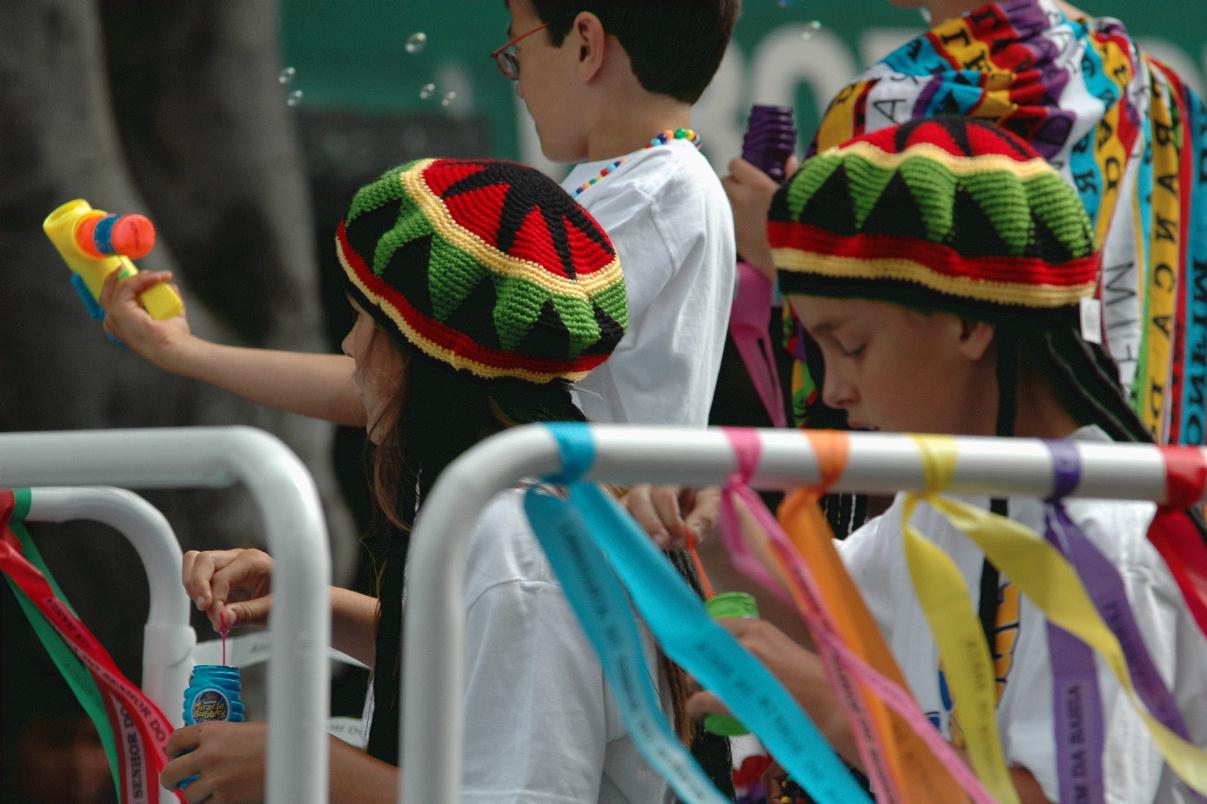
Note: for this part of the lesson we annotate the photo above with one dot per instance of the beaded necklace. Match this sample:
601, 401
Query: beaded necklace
661, 139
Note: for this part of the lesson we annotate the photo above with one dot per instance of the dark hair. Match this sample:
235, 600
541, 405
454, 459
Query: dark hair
675, 46
438, 414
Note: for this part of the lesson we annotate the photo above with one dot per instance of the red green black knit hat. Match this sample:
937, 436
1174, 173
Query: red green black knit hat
945, 211
486, 266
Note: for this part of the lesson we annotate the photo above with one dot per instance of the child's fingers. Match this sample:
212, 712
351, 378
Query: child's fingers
745, 173
119, 291
705, 703
702, 519
235, 569
666, 503
641, 507
197, 572
246, 612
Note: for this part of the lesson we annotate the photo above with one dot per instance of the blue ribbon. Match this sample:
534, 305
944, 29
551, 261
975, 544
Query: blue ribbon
677, 618
1193, 429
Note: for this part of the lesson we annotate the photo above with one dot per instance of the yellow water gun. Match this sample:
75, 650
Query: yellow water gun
95, 243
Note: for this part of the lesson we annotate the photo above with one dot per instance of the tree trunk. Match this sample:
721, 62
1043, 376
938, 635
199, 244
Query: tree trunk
173, 110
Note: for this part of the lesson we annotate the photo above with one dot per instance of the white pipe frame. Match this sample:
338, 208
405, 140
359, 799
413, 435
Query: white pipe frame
219, 457
878, 463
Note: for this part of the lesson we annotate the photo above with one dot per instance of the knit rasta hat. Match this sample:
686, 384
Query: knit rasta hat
487, 266
941, 212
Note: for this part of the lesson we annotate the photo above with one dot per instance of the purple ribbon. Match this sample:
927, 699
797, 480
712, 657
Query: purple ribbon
1076, 699
1105, 587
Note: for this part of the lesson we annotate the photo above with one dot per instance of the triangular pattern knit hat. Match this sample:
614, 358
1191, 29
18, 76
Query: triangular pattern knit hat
487, 266
945, 212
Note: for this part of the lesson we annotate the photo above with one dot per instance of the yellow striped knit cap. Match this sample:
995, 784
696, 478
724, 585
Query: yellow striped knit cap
487, 266
944, 212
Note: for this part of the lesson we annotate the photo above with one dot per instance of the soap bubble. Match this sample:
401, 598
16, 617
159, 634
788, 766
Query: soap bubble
287, 75
448, 99
416, 42
427, 91
810, 29
294, 99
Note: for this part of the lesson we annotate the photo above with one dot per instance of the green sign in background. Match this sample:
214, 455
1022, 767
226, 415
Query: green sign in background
352, 54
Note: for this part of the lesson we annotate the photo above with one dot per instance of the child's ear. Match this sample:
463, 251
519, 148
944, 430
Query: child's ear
975, 338
590, 39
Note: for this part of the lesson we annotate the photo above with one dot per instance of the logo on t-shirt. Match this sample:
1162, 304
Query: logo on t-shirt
1006, 635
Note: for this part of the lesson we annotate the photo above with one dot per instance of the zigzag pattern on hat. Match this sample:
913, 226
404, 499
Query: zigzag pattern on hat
488, 266
955, 206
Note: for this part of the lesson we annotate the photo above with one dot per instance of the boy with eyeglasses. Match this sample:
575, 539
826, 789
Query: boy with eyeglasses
612, 83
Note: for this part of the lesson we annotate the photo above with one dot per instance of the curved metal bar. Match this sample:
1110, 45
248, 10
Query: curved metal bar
434, 647
217, 457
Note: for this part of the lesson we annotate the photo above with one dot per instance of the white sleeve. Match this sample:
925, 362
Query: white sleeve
866, 560
1132, 762
535, 712
645, 258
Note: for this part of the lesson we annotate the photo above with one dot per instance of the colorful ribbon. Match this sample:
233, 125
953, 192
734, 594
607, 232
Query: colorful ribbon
677, 618
1043, 575
138, 728
596, 596
1174, 534
867, 694
1077, 714
948, 608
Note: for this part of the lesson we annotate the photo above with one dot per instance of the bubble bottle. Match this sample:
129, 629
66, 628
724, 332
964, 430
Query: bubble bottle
213, 694
736, 605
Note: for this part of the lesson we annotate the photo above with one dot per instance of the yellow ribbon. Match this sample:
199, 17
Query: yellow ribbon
948, 607
1042, 574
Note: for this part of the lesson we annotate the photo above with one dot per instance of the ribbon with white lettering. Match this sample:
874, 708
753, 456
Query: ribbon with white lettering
1052, 584
893, 763
677, 618
1077, 714
140, 728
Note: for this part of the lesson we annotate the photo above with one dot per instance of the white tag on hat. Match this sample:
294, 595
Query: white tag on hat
1091, 320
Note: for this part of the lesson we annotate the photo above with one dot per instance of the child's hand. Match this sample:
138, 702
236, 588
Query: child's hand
126, 320
230, 586
750, 191
666, 513
798, 669
229, 759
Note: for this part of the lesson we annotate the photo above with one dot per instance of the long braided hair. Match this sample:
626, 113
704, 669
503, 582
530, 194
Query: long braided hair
438, 414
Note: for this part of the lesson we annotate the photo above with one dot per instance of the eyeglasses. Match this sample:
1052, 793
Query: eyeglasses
505, 57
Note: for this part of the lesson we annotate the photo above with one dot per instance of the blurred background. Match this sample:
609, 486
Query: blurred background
242, 128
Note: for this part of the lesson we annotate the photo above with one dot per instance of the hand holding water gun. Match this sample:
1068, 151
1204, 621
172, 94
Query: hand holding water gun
96, 244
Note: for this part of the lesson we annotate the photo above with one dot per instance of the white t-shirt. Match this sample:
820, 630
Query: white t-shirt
1134, 769
669, 218
541, 724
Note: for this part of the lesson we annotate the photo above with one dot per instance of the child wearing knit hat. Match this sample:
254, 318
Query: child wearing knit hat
940, 266
610, 85
481, 291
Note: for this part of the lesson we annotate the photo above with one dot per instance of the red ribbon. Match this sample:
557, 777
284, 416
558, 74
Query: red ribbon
1175, 534
140, 729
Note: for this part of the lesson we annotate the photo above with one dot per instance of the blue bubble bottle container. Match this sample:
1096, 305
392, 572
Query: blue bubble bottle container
213, 694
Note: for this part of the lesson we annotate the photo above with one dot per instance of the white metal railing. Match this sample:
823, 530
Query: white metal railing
434, 648
209, 457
